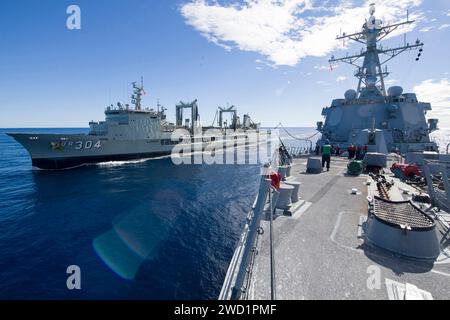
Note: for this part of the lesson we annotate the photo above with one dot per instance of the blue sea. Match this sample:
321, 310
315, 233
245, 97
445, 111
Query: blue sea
136, 230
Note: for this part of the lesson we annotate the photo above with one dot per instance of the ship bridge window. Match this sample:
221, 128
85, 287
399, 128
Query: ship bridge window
120, 119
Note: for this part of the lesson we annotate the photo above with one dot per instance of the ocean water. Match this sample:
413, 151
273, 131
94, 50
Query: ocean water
137, 230
143, 230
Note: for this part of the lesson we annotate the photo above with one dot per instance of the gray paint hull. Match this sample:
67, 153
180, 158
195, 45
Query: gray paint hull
54, 151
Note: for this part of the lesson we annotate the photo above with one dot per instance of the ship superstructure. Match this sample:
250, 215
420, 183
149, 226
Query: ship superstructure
127, 133
386, 120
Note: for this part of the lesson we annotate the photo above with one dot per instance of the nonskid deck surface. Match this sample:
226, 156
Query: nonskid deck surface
320, 252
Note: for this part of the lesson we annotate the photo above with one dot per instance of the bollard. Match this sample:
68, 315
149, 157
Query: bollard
295, 192
284, 199
288, 171
314, 165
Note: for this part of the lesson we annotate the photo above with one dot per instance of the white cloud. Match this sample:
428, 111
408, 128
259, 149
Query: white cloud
285, 31
437, 92
426, 29
444, 26
341, 78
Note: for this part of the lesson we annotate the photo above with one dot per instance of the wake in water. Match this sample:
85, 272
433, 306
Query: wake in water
110, 164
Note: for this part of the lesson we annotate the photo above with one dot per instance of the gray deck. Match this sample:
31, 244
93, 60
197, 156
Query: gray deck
320, 253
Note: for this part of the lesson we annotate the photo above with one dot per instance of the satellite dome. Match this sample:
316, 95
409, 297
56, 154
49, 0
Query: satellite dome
350, 94
395, 91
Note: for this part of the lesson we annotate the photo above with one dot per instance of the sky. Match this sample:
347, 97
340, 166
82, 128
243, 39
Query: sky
269, 58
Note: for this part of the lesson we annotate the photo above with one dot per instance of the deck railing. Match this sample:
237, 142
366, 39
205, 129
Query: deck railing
238, 279
438, 170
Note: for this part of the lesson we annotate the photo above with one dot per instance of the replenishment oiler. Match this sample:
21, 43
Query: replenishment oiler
130, 133
377, 224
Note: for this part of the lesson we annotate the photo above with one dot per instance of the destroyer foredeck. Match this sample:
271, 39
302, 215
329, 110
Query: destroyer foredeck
320, 252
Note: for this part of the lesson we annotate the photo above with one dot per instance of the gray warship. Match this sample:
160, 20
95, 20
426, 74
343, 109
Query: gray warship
386, 120
380, 233
128, 133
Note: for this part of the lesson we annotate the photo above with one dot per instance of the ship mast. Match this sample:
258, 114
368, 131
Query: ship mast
370, 73
136, 97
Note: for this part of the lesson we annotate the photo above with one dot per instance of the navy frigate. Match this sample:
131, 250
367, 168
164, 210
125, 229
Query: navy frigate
131, 133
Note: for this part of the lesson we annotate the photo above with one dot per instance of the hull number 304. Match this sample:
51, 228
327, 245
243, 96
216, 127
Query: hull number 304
78, 145
87, 145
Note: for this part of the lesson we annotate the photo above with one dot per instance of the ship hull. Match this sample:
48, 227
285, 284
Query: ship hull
57, 152
74, 162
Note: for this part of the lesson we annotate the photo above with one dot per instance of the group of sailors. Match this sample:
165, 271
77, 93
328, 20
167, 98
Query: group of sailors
355, 152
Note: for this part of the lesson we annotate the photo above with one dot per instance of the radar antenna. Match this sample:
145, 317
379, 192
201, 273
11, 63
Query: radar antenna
370, 73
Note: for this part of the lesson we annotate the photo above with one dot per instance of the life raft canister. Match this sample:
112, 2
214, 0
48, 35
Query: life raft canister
404, 171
